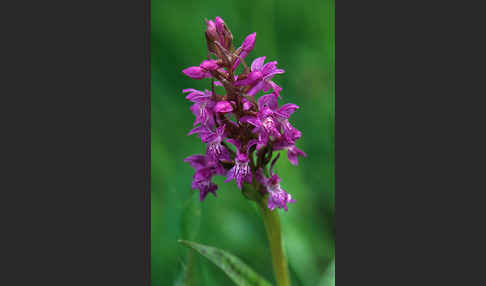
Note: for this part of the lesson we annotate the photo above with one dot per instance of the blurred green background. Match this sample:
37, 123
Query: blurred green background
300, 36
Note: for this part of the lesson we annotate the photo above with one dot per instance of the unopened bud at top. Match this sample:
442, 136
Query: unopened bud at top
211, 31
218, 31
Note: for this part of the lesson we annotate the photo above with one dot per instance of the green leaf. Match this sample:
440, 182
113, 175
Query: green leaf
236, 269
328, 278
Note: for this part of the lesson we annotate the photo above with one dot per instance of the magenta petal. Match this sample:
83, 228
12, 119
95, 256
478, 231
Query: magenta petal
255, 76
259, 86
277, 89
269, 100
293, 152
223, 107
230, 175
211, 30
269, 67
209, 65
194, 72
246, 104
293, 158
249, 42
245, 81
196, 161
288, 108
219, 24
198, 129
190, 90
278, 71
257, 64
197, 96
250, 119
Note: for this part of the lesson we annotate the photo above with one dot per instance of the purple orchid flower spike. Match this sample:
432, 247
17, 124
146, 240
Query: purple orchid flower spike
260, 77
241, 171
259, 121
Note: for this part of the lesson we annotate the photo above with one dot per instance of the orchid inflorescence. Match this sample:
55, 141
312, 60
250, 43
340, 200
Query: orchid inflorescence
256, 127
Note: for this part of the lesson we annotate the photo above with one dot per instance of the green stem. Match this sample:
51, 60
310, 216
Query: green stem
271, 220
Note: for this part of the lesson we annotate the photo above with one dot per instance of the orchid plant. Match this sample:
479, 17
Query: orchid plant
257, 128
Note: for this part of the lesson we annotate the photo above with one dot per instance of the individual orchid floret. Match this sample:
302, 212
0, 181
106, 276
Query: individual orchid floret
290, 133
196, 73
270, 101
277, 197
205, 169
223, 107
214, 149
202, 182
195, 95
245, 49
281, 115
292, 151
203, 70
241, 171
201, 130
260, 77
211, 31
202, 107
264, 123
270, 119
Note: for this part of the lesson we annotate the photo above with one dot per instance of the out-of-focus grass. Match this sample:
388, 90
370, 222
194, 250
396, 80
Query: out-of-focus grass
298, 35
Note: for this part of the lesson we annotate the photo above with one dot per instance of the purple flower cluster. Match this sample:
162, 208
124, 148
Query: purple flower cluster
255, 127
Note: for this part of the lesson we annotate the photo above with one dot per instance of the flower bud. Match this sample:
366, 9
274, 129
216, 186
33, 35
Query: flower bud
211, 31
209, 65
195, 72
224, 33
223, 107
217, 31
249, 43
